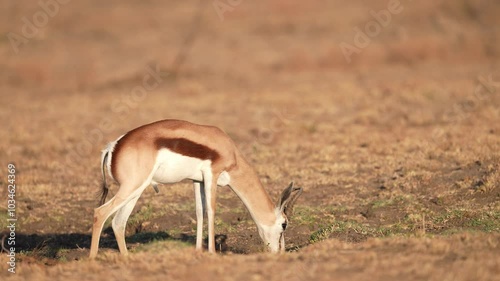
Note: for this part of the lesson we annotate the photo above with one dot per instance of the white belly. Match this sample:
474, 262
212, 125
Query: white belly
174, 167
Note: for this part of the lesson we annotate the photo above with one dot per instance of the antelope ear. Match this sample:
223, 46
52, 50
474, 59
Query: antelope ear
288, 198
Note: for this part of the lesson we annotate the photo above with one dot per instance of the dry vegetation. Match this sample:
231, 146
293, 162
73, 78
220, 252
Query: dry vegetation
398, 151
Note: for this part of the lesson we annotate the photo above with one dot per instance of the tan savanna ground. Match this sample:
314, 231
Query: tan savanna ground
397, 151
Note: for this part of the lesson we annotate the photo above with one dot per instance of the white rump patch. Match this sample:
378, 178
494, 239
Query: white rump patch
110, 148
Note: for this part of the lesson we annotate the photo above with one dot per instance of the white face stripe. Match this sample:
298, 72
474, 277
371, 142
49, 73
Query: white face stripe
273, 235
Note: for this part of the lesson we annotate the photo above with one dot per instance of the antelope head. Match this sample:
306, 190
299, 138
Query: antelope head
274, 235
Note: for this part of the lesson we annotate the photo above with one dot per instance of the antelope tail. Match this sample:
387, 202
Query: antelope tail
104, 185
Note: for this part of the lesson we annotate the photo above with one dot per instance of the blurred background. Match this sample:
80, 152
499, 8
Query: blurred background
71, 63
385, 111
90, 47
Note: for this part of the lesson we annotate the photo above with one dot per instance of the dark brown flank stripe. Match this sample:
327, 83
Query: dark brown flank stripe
187, 148
177, 145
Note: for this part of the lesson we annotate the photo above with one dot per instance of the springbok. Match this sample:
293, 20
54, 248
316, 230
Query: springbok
170, 151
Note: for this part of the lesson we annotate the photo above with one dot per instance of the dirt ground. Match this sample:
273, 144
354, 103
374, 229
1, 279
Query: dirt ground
386, 113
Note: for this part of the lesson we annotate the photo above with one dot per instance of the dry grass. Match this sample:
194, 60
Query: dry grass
398, 151
459, 257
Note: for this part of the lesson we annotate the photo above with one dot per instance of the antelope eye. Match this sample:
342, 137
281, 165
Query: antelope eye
283, 225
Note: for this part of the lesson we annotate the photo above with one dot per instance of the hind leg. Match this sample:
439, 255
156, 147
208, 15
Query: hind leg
101, 214
124, 195
120, 222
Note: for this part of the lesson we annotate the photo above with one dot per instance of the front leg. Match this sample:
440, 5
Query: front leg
199, 195
210, 195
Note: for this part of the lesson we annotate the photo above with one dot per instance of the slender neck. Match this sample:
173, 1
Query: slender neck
246, 184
